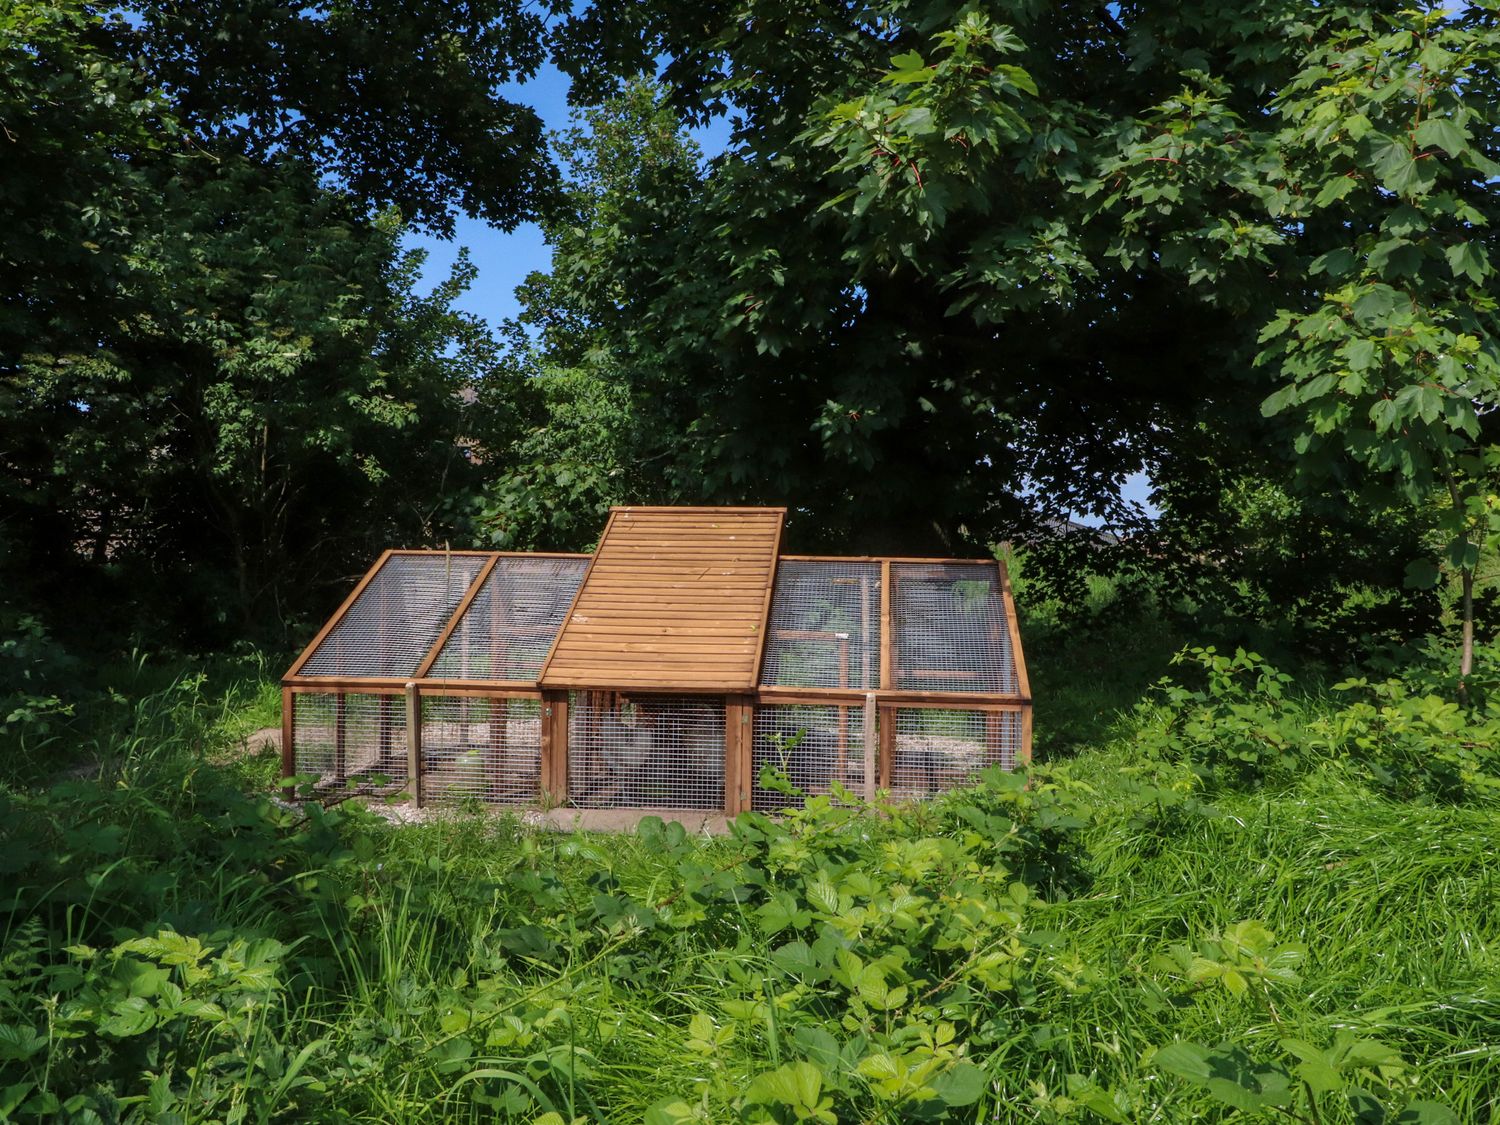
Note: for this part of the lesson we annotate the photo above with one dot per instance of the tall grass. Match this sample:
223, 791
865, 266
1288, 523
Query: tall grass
178, 945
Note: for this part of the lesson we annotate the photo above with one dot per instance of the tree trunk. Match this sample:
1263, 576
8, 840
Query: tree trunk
1466, 660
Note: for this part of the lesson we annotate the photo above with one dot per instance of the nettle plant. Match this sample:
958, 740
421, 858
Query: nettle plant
1300, 1080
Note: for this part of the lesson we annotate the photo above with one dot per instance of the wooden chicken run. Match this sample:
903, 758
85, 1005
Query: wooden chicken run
665, 671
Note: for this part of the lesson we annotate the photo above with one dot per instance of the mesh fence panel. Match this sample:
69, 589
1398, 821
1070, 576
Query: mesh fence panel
512, 621
942, 749
824, 626
950, 628
350, 738
811, 745
486, 748
397, 617
645, 751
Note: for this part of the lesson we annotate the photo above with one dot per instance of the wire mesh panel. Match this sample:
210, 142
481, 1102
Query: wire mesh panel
824, 626
951, 632
645, 751
811, 746
397, 617
350, 739
511, 623
937, 749
481, 747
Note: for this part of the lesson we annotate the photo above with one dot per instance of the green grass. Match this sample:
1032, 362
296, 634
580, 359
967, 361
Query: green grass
176, 943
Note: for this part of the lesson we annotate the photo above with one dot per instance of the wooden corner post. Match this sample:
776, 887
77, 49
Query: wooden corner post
288, 745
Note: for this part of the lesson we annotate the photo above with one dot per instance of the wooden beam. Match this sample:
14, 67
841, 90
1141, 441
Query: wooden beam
578, 593
463, 607
338, 614
765, 607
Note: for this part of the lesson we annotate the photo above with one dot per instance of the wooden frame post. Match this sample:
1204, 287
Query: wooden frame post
554, 779
288, 736
887, 761
414, 743
869, 743
887, 642
739, 751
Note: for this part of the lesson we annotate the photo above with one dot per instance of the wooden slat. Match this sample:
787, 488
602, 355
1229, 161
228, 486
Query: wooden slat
1023, 682
338, 614
463, 607
573, 605
675, 599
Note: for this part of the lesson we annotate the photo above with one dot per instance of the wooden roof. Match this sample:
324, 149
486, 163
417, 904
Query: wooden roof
674, 600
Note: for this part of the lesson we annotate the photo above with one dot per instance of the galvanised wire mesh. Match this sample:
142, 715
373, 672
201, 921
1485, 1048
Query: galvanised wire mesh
938, 749
350, 739
397, 617
811, 746
511, 623
824, 628
481, 747
645, 751
950, 628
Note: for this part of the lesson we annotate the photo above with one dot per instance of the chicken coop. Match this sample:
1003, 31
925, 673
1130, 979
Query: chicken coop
665, 671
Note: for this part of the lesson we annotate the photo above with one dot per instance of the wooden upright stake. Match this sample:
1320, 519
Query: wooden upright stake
555, 747
869, 745
414, 744
886, 765
340, 737
739, 748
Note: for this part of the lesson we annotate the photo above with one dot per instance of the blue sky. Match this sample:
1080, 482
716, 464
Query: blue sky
504, 259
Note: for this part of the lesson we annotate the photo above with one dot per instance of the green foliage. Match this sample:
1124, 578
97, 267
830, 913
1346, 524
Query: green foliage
1085, 942
219, 388
1245, 725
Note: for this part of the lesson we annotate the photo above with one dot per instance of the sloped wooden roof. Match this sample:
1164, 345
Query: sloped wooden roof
674, 600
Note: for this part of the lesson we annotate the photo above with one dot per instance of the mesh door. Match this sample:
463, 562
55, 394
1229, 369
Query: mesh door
348, 739
397, 617
951, 632
937, 749
811, 746
824, 626
511, 623
485, 748
645, 751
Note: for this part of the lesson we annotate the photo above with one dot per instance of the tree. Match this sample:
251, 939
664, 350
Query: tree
965, 266
585, 448
399, 104
219, 389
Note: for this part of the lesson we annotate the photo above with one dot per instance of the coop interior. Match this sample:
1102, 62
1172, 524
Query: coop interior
687, 664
